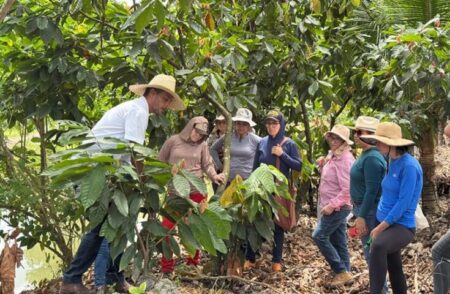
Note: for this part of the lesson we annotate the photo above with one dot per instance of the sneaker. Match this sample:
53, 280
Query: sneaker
341, 279
248, 265
73, 288
276, 267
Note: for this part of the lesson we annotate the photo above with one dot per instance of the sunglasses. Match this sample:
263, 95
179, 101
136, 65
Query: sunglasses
361, 132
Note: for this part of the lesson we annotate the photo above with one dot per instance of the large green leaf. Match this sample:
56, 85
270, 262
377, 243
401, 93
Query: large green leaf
264, 227
143, 18
201, 233
127, 256
155, 227
187, 238
181, 185
121, 202
91, 186
195, 181
217, 224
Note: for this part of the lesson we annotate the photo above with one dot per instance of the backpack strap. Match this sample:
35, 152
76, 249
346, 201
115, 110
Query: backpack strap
277, 161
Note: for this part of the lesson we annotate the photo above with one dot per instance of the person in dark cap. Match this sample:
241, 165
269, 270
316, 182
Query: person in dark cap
275, 146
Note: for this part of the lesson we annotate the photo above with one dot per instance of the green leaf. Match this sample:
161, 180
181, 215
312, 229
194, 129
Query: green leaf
120, 200
91, 186
264, 228
42, 23
127, 257
143, 18
181, 185
155, 228
195, 181
187, 238
201, 233
174, 246
115, 219
217, 225
107, 231
387, 89
312, 89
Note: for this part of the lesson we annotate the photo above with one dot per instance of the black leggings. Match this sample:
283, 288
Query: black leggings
385, 255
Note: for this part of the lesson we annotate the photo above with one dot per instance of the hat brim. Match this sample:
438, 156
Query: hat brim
362, 128
175, 104
390, 142
250, 122
271, 118
348, 141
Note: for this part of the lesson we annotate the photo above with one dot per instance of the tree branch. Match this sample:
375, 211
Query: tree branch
5, 9
97, 20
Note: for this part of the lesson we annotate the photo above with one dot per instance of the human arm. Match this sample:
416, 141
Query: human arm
164, 152
208, 165
374, 172
291, 157
214, 151
256, 161
408, 180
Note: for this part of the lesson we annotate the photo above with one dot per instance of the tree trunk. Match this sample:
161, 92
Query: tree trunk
427, 148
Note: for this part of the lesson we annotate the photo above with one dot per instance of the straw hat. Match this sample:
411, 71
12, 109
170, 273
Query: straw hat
245, 115
165, 83
342, 132
390, 134
366, 123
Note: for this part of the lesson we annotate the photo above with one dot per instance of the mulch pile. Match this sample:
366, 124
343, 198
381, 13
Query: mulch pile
306, 271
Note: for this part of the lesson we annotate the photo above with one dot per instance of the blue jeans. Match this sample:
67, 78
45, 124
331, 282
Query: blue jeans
441, 264
277, 253
330, 235
85, 256
101, 264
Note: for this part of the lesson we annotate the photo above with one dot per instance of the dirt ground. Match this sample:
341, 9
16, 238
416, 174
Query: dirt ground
305, 270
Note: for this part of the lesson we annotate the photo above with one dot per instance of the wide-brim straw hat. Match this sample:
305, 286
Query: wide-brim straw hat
390, 134
162, 82
245, 115
366, 123
342, 132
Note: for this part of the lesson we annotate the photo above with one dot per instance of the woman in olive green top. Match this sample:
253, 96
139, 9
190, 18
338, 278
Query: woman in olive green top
366, 175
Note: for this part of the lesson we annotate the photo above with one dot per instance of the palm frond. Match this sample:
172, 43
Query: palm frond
416, 11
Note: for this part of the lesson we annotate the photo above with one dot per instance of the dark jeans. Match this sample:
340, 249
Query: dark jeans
441, 264
371, 222
277, 253
102, 263
385, 256
85, 256
330, 235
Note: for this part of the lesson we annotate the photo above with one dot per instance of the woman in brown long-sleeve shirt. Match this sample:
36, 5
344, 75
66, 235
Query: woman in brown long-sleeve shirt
189, 146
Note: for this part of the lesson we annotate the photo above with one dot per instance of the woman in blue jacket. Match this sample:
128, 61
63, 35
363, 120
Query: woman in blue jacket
401, 188
269, 149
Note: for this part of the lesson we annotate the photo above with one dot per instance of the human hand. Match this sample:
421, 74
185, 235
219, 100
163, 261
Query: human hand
277, 150
375, 232
327, 210
320, 161
361, 227
219, 178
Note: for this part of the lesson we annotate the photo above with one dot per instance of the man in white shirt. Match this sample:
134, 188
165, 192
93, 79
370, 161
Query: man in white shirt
126, 121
